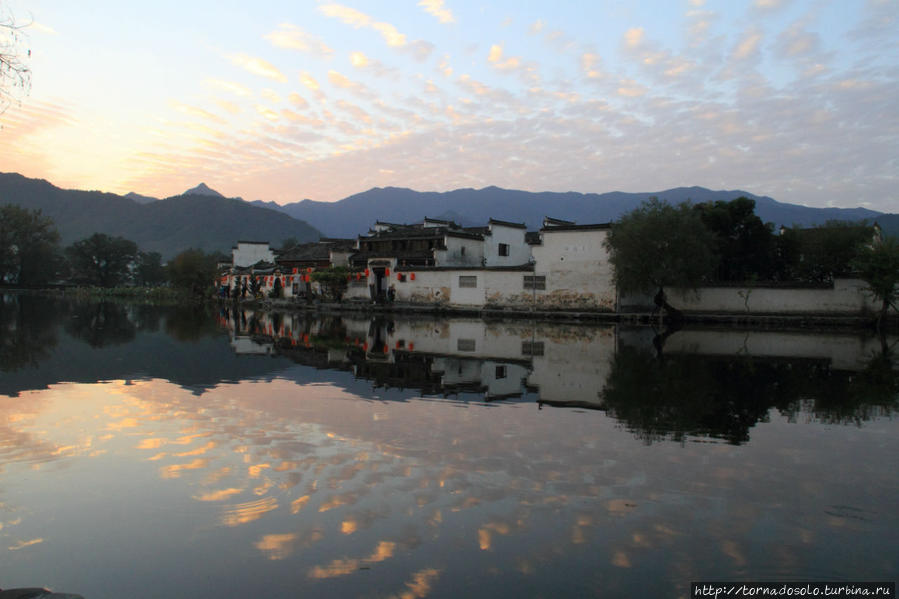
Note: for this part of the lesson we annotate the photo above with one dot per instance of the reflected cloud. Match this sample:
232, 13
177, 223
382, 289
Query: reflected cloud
276, 546
249, 511
219, 495
341, 567
24, 544
175, 470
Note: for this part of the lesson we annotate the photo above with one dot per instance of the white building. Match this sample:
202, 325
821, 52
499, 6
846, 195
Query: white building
248, 253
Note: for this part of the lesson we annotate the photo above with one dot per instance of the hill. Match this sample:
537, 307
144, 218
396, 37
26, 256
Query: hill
355, 214
208, 222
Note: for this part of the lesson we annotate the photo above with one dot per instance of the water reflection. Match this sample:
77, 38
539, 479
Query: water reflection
706, 383
357, 457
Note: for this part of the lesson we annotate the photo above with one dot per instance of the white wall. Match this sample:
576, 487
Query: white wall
577, 269
847, 296
248, 254
514, 237
453, 256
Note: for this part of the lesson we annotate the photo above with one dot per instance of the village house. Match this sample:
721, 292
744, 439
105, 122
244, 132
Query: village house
564, 266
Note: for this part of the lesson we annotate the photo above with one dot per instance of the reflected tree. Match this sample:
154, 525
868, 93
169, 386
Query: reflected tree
27, 331
101, 324
687, 395
191, 322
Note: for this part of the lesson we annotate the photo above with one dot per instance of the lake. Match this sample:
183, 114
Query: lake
199, 452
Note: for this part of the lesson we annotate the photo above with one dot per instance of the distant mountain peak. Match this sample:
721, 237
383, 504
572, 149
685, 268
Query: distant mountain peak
140, 199
202, 190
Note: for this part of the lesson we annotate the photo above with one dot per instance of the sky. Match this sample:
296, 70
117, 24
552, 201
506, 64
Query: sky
281, 101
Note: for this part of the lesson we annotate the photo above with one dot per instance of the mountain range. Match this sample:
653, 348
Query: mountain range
196, 219
203, 218
355, 214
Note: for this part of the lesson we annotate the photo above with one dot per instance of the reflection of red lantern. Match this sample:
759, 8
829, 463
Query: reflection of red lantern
411, 346
366, 272
386, 272
412, 276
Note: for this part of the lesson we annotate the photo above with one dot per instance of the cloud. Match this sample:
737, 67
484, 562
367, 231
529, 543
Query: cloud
197, 112
292, 37
536, 27
297, 100
235, 88
309, 81
769, 5
257, 66
360, 20
634, 37
748, 46
590, 65
338, 80
630, 88
437, 9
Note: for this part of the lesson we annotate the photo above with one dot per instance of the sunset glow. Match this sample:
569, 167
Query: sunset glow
285, 101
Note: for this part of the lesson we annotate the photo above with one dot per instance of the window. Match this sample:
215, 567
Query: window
468, 281
535, 282
462, 251
531, 348
504, 249
466, 345
500, 372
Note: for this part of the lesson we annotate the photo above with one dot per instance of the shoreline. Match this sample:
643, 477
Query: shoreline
784, 321
730, 320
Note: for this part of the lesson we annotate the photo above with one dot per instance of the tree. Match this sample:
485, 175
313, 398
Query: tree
193, 271
29, 252
658, 245
333, 281
744, 244
149, 271
102, 260
878, 266
830, 250
15, 76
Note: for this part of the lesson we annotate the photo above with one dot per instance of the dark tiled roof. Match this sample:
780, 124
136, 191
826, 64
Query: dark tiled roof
548, 220
306, 251
504, 223
593, 227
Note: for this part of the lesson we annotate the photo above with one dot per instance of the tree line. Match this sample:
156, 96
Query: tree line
31, 255
659, 245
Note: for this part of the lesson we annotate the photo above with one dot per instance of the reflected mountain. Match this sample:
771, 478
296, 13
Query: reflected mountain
706, 384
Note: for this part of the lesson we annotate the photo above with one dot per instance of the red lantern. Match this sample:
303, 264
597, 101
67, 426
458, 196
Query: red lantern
399, 276
412, 276
309, 269
366, 272
294, 270
411, 346
386, 272
365, 346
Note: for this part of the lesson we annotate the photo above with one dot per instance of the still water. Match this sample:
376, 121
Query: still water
150, 452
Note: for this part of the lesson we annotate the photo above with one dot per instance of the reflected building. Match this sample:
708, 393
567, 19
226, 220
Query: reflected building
706, 383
